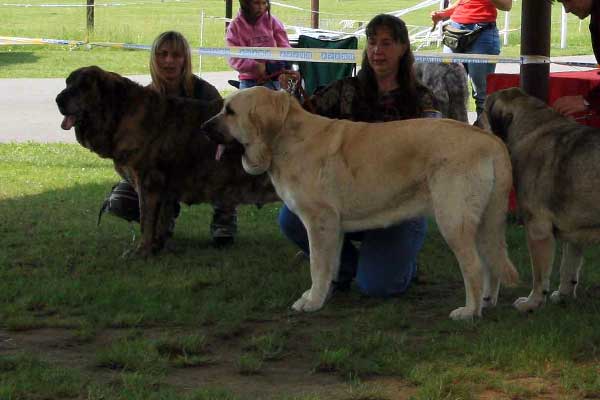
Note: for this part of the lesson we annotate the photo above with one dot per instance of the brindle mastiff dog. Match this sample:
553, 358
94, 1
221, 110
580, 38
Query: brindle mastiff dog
156, 142
341, 176
556, 165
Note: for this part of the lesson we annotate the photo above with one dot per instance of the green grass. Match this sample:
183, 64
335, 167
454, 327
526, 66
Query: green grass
140, 23
79, 321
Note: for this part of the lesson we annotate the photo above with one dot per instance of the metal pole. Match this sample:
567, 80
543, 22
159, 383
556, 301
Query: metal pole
506, 27
314, 14
535, 40
563, 29
90, 18
228, 12
201, 42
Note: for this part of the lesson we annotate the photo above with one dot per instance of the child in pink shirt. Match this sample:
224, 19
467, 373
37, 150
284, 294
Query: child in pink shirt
254, 26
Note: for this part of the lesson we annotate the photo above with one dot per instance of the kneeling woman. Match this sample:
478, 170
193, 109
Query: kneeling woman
384, 90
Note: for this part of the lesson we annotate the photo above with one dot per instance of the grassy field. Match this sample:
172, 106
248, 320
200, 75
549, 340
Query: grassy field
140, 21
78, 321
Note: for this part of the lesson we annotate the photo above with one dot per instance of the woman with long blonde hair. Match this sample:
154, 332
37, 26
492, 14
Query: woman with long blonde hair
172, 75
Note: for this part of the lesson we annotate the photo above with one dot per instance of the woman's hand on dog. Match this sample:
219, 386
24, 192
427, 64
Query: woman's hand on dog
569, 105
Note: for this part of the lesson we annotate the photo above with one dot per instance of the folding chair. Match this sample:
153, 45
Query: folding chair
316, 75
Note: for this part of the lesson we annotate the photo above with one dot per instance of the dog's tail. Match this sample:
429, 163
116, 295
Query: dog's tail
492, 231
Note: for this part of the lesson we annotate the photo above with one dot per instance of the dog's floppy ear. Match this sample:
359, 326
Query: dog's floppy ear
498, 114
264, 124
257, 154
274, 113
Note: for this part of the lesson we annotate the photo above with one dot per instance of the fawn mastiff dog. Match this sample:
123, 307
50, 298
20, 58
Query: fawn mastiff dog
555, 161
156, 141
341, 176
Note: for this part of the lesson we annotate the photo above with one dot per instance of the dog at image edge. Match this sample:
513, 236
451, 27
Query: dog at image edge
156, 142
555, 161
341, 176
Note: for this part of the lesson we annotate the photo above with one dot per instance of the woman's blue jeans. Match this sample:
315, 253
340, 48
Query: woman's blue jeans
386, 262
488, 42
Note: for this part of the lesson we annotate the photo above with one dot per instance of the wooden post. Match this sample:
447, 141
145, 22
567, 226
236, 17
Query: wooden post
314, 14
90, 17
535, 40
228, 11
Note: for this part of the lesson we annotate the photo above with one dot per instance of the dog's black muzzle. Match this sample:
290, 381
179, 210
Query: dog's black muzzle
211, 129
61, 102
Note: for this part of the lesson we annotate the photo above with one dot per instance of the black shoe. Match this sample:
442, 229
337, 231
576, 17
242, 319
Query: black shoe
223, 227
122, 202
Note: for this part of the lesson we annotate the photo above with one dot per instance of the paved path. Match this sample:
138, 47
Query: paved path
29, 113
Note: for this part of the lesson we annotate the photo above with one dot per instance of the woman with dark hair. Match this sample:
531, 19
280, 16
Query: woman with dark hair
385, 89
171, 72
254, 26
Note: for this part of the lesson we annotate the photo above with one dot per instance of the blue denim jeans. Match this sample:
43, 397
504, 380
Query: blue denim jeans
248, 83
386, 262
488, 42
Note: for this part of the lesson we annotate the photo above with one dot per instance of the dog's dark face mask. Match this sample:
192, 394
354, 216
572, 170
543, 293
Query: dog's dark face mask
90, 104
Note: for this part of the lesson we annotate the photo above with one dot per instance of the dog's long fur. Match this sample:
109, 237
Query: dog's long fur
156, 141
448, 82
339, 176
555, 163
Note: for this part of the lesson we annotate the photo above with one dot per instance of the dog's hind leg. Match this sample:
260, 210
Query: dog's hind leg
570, 265
491, 238
460, 234
458, 211
541, 244
325, 242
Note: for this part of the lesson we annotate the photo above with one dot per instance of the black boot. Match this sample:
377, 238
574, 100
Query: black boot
223, 227
122, 202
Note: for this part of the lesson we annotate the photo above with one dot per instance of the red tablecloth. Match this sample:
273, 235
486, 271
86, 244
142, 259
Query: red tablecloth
561, 84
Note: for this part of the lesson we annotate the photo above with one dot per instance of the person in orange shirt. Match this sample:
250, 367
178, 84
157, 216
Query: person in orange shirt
471, 15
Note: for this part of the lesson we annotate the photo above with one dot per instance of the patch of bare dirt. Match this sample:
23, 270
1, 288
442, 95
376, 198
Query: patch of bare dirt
291, 376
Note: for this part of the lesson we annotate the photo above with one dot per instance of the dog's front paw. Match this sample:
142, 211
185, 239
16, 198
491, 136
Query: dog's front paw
307, 303
528, 304
464, 313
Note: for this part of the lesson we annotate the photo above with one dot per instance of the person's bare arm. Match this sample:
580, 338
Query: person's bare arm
503, 5
440, 15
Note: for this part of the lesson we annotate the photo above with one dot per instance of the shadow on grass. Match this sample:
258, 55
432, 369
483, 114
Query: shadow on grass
12, 57
53, 235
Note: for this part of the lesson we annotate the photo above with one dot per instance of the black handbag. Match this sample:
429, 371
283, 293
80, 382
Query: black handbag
459, 40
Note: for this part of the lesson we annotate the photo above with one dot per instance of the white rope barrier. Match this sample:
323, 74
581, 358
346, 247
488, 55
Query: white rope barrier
347, 56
